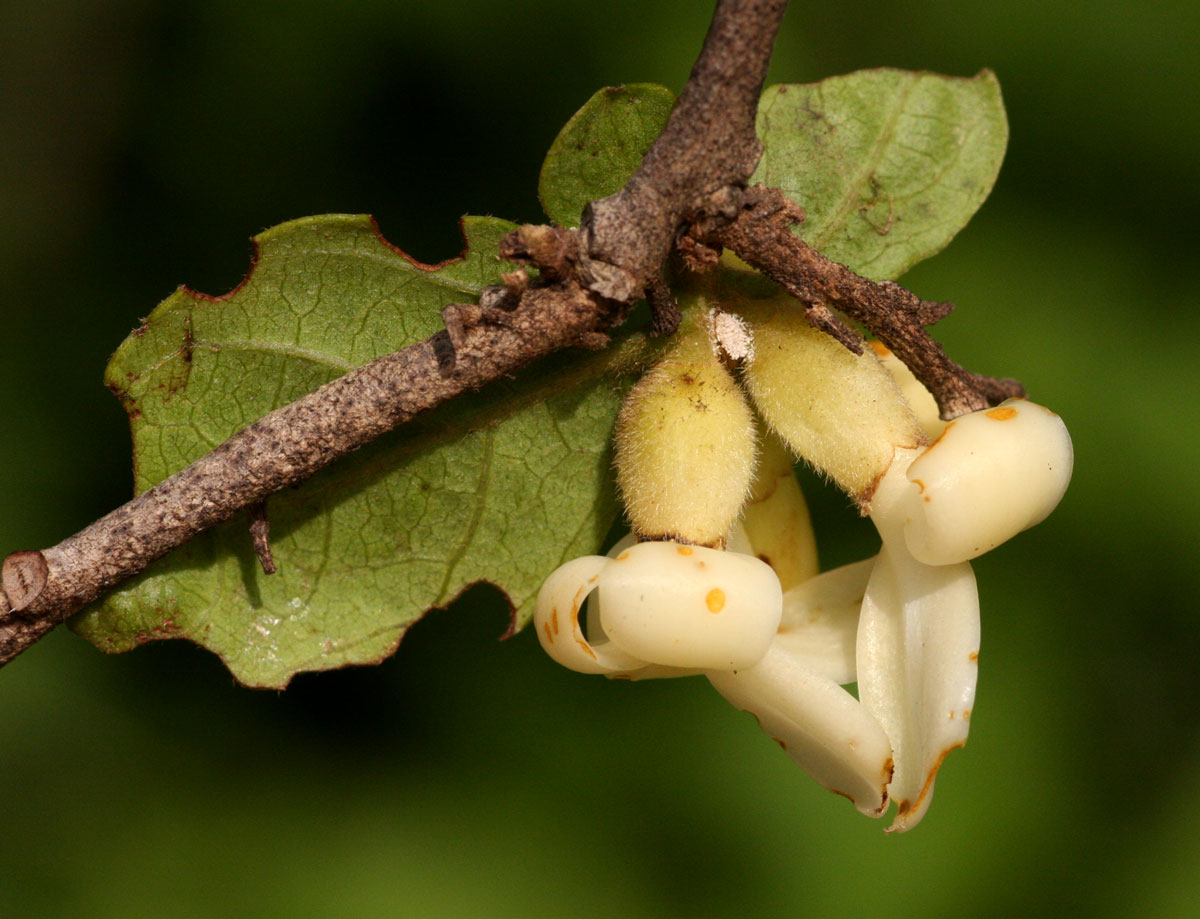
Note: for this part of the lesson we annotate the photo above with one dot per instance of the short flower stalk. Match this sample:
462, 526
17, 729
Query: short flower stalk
719, 576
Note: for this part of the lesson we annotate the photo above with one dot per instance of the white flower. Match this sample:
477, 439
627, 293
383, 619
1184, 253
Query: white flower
908, 631
773, 636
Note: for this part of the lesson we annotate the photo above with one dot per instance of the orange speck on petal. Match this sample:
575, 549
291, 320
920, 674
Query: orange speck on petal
593, 579
782, 743
973, 656
1004, 413
880, 349
945, 431
549, 634
919, 484
624, 555
684, 550
554, 619
715, 601
906, 806
586, 647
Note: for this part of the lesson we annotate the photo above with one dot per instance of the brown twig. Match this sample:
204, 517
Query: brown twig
699, 164
762, 236
587, 280
690, 192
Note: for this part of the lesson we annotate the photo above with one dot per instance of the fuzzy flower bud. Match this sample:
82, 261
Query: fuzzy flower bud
685, 448
840, 411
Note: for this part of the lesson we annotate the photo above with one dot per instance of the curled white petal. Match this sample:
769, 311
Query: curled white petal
821, 726
820, 620
688, 606
992, 474
595, 628
556, 620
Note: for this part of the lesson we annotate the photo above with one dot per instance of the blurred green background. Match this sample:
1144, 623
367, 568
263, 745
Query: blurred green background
142, 142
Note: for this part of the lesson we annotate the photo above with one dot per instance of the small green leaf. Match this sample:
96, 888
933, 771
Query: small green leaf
600, 147
501, 486
888, 165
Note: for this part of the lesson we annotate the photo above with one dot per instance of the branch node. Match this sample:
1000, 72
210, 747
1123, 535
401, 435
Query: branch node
697, 255
609, 281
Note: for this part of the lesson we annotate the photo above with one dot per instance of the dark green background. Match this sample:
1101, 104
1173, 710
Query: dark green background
141, 143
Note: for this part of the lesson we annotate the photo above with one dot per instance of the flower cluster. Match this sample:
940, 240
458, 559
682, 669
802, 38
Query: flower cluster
719, 576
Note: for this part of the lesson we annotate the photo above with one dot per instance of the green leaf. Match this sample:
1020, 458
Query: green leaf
499, 486
888, 165
600, 147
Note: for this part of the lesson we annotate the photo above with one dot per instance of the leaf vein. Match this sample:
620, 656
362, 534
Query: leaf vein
870, 163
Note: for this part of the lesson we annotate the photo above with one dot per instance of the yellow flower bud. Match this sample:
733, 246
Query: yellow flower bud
840, 411
685, 447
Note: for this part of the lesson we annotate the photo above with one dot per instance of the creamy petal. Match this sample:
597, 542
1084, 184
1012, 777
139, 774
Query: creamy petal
820, 620
556, 620
992, 474
689, 606
775, 519
918, 650
736, 541
820, 725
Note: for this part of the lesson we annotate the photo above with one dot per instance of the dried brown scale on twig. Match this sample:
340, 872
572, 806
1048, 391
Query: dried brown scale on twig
260, 536
700, 164
762, 236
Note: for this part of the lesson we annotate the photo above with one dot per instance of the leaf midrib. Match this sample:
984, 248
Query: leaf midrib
870, 164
